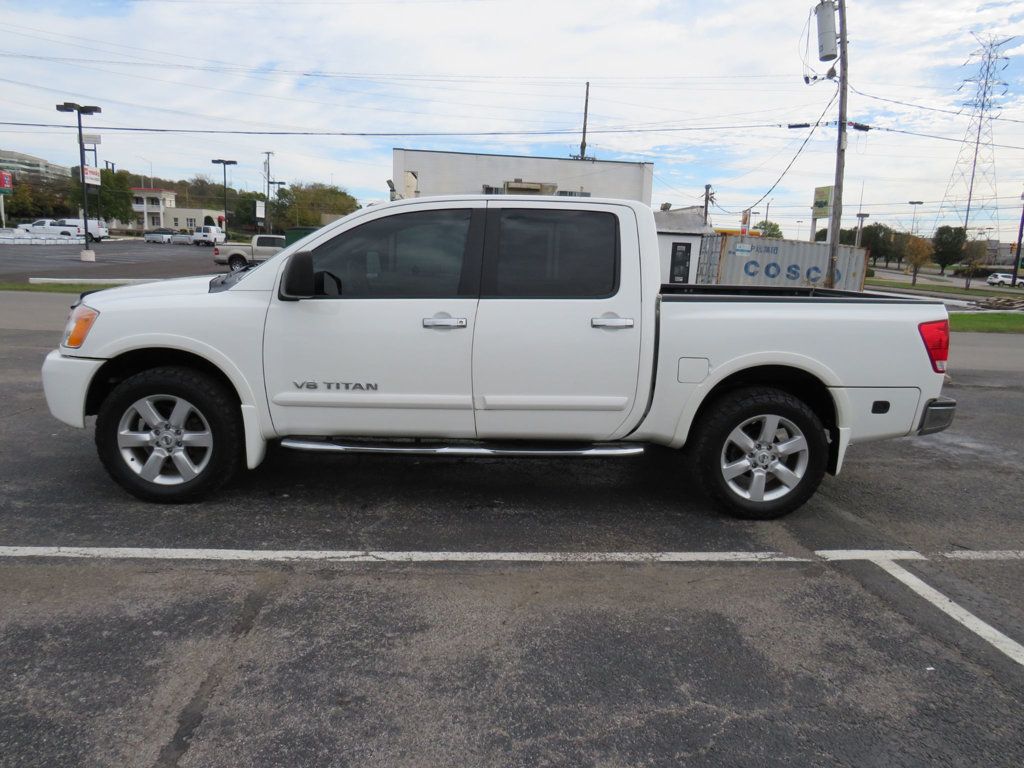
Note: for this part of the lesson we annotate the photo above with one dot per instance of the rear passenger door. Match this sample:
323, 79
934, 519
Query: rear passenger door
557, 344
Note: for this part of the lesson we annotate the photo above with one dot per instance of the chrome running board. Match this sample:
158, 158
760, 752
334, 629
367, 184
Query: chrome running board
477, 450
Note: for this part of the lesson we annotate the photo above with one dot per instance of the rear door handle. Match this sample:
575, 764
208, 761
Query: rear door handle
611, 322
444, 322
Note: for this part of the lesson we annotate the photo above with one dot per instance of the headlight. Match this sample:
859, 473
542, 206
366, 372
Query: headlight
79, 323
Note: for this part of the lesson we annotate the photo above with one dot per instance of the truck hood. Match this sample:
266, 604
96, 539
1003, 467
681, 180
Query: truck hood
183, 286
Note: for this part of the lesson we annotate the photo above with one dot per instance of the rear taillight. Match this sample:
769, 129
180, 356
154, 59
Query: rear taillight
936, 340
216, 251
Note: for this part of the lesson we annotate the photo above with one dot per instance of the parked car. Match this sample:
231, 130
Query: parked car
97, 228
47, 227
161, 235
208, 236
495, 327
1001, 278
241, 255
182, 237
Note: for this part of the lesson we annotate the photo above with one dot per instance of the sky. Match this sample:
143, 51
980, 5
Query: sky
703, 90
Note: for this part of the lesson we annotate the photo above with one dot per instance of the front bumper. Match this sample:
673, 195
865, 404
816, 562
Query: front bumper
937, 416
66, 383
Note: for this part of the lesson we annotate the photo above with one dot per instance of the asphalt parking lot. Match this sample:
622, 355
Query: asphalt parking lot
114, 259
382, 611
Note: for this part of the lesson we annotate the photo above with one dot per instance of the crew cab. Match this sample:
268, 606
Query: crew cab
66, 228
494, 327
241, 255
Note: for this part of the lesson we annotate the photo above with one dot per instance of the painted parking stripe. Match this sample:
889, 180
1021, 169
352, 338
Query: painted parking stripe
886, 560
371, 556
987, 632
993, 554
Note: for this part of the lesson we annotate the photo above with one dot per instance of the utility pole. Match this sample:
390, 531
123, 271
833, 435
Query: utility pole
1016, 254
707, 201
835, 221
586, 108
266, 171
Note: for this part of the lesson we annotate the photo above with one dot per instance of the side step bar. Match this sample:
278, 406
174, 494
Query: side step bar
479, 450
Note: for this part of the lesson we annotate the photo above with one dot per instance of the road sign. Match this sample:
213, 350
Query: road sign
6, 183
92, 175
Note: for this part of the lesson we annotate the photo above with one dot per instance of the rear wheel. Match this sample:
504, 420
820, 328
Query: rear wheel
237, 263
170, 434
760, 453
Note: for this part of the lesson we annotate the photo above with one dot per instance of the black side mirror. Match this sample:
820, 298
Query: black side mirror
298, 281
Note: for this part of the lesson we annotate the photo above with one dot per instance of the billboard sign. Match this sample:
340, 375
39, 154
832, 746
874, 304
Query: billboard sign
261, 209
822, 206
92, 175
91, 138
6, 183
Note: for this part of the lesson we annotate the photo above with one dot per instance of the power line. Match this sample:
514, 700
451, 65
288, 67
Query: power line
958, 113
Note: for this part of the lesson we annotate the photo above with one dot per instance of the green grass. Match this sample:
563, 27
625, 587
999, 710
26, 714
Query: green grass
53, 287
950, 289
987, 322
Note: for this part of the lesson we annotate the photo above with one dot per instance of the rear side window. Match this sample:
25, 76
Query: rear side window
269, 241
409, 255
553, 254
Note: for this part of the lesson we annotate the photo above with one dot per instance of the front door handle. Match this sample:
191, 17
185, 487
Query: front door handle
444, 322
611, 322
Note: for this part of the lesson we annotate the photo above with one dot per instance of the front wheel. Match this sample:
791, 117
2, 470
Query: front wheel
760, 452
170, 434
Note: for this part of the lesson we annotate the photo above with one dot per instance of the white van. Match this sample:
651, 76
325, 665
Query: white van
208, 236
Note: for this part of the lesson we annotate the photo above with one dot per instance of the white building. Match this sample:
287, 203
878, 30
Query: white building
680, 231
156, 207
421, 173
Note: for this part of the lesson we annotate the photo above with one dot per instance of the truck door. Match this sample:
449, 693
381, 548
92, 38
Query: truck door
557, 344
385, 347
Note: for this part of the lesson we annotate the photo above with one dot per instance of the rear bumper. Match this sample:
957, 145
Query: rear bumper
938, 415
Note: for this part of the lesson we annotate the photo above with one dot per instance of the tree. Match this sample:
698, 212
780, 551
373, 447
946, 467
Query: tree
846, 236
769, 228
301, 205
918, 252
948, 244
877, 238
974, 256
900, 240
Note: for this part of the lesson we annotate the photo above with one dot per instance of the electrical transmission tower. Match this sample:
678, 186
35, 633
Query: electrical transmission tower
971, 193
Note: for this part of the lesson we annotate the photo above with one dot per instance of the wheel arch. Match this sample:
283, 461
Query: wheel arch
807, 386
130, 362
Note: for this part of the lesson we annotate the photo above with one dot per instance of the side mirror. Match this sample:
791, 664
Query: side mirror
298, 281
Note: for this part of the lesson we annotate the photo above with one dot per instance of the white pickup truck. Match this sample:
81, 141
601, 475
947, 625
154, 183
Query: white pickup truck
67, 228
482, 326
241, 255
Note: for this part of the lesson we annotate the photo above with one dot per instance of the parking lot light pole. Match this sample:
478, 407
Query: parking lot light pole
224, 164
69, 106
913, 221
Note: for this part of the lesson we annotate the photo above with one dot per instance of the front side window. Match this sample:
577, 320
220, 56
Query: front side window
407, 255
554, 254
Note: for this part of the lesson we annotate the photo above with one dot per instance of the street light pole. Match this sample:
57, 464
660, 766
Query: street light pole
913, 221
87, 253
860, 227
224, 164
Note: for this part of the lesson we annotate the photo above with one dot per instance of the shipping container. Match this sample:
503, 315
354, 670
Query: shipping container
745, 260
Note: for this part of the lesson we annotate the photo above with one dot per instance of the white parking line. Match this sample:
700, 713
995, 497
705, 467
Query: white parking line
869, 554
987, 632
371, 556
992, 554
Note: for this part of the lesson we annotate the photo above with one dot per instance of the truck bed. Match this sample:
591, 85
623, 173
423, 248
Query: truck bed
691, 292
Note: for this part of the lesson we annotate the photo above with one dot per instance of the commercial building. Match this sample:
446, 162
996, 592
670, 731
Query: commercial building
422, 173
32, 168
680, 231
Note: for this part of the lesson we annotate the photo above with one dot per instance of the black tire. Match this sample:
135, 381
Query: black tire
212, 401
237, 263
712, 447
